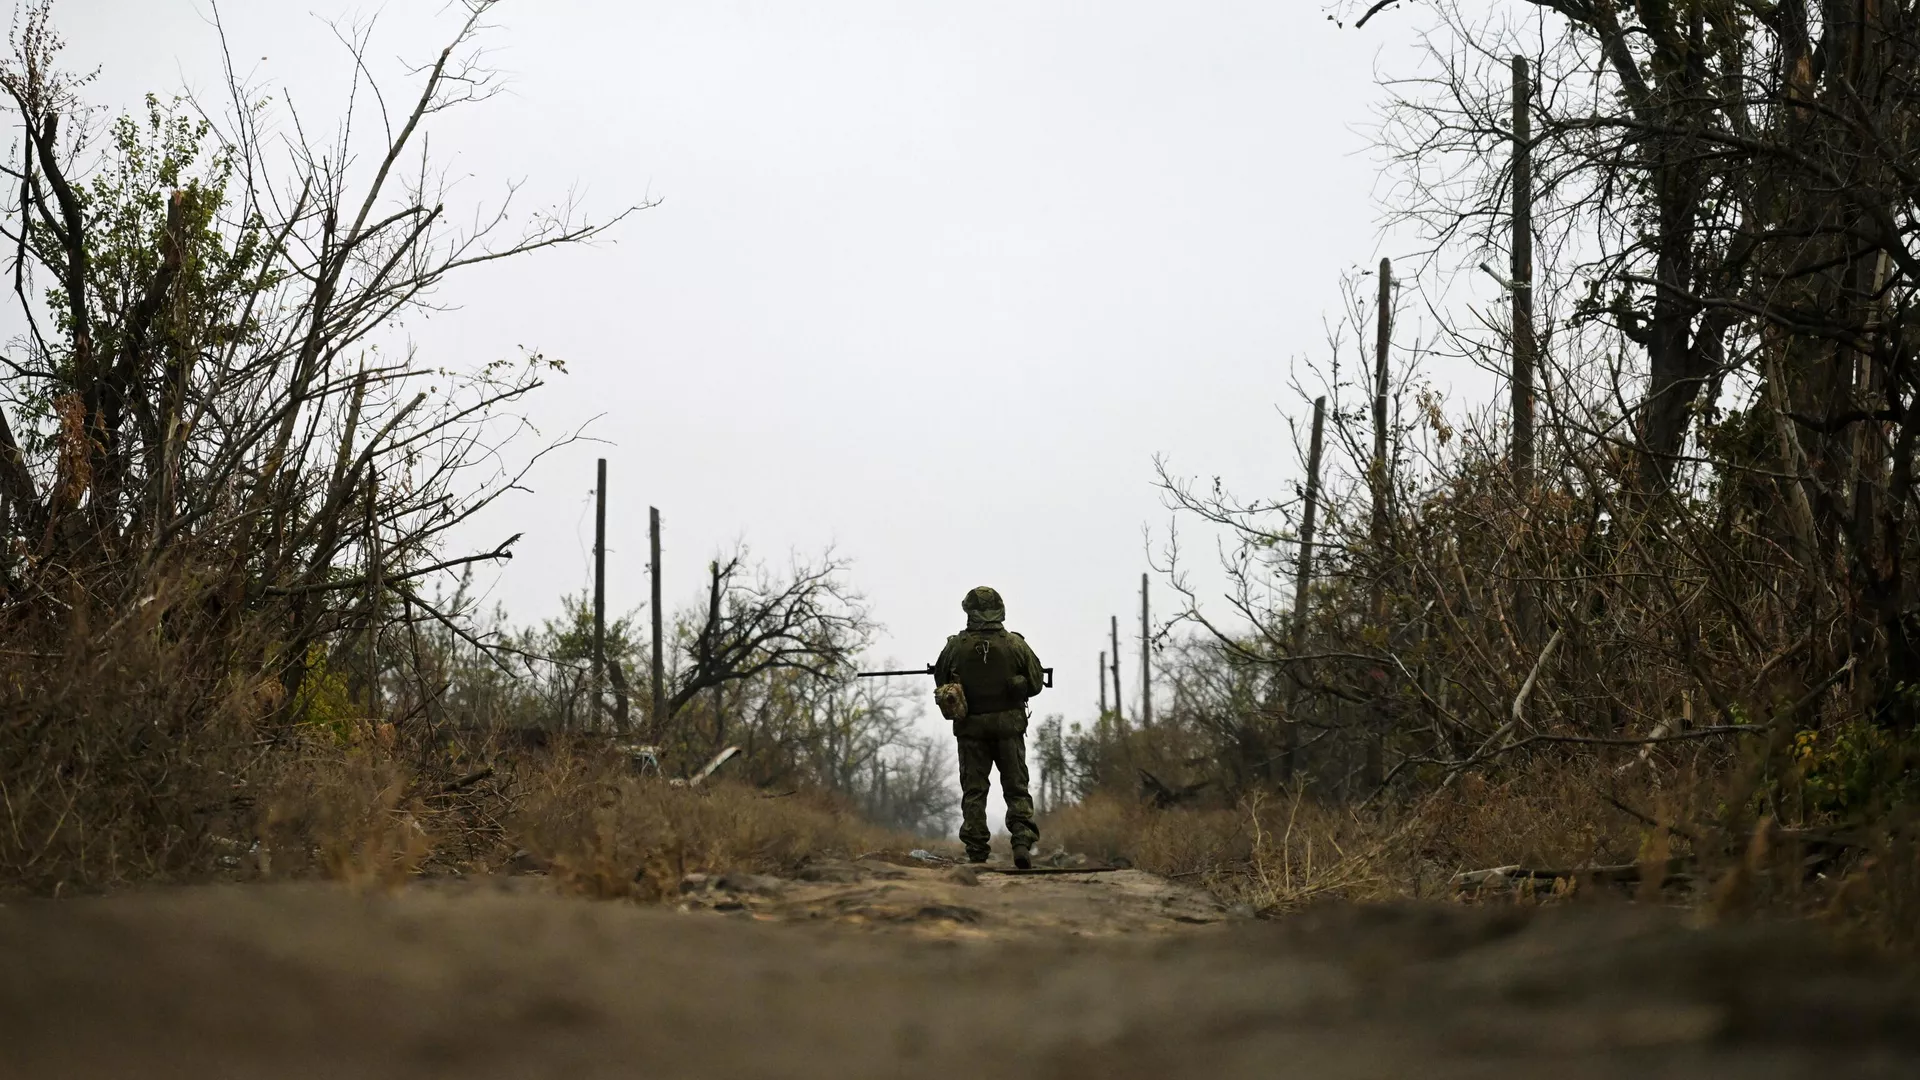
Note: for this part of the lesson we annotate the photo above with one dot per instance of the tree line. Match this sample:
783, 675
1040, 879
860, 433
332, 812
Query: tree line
1701, 574
228, 480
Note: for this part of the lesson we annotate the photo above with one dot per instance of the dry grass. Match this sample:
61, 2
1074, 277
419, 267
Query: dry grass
376, 815
1557, 814
608, 833
121, 757
349, 812
1270, 852
1877, 902
1278, 852
121, 762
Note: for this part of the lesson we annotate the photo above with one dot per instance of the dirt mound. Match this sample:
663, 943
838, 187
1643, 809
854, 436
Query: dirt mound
883, 971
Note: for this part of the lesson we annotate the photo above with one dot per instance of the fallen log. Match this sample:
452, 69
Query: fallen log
1821, 846
465, 782
980, 869
1497, 875
1676, 872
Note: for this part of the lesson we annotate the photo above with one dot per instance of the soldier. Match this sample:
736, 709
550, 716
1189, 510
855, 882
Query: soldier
984, 677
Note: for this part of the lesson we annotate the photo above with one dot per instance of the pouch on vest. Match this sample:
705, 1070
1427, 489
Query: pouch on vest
952, 699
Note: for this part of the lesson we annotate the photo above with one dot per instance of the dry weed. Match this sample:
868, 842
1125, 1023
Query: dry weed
121, 757
345, 812
1317, 853
1279, 852
1270, 853
609, 833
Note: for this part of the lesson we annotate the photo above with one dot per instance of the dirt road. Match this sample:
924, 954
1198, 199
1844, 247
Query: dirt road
873, 970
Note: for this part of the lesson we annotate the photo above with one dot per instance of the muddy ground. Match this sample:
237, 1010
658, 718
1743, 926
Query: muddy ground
872, 969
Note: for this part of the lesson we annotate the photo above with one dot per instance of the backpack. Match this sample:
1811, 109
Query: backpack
985, 665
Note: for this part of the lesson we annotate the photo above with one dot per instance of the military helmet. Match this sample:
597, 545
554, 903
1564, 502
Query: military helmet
981, 600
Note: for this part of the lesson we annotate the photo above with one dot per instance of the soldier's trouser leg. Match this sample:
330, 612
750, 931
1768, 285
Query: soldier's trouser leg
976, 767
1010, 754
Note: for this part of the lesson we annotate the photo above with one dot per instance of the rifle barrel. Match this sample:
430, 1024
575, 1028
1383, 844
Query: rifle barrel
928, 670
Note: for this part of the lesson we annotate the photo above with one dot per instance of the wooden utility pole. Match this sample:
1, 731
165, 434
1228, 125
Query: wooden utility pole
659, 641
1524, 346
1378, 475
599, 590
1146, 658
1303, 570
1383, 338
1303, 574
711, 648
374, 588
1103, 687
1119, 702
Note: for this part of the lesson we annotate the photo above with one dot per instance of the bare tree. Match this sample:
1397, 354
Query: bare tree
226, 477
1718, 537
210, 376
757, 621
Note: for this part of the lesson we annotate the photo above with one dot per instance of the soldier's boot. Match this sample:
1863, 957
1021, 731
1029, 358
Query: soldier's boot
1010, 755
977, 856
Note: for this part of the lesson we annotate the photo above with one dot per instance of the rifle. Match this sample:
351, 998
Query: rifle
1046, 674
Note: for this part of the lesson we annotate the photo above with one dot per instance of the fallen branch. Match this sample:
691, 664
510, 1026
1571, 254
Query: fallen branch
1828, 845
465, 782
978, 869
1620, 874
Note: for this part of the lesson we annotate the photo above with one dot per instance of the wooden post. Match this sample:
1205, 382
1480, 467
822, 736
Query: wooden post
1103, 687
710, 652
1303, 575
1524, 346
1383, 339
1146, 658
622, 697
659, 717
1303, 569
599, 591
1377, 475
1043, 767
374, 588
1119, 702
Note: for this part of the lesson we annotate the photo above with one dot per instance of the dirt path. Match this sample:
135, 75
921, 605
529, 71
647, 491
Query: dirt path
873, 970
942, 902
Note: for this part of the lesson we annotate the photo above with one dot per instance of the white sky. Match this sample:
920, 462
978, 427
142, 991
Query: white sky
930, 282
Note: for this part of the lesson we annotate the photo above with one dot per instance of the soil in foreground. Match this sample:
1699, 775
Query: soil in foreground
875, 970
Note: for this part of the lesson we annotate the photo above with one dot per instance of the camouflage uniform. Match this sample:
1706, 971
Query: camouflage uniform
993, 733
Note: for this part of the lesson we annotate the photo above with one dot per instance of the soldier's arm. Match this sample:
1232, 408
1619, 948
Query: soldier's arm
1036, 675
943, 667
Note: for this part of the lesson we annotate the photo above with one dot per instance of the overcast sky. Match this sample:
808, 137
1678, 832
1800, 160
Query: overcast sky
930, 282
